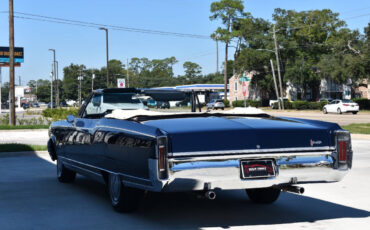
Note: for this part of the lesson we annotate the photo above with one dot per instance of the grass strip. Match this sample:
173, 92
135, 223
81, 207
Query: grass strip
358, 128
21, 147
9, 127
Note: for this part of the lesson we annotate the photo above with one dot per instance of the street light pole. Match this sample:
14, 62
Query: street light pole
107, 49
80, 78
51, 90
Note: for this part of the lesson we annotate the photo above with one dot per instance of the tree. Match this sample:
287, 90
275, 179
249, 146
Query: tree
228, 11
192, 72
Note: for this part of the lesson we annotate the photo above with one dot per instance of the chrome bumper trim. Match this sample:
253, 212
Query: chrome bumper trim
243, 151
186, 174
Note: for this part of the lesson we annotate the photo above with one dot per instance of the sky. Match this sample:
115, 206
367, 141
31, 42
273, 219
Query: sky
85, 45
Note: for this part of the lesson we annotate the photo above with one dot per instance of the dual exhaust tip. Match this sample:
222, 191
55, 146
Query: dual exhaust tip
211, 195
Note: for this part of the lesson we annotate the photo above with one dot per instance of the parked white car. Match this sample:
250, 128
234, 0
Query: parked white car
341, 106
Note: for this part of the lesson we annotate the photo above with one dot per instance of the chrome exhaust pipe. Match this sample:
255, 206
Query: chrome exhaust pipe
210, 195
293, 189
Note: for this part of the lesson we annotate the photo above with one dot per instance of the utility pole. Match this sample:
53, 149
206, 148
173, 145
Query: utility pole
107, 49
276, 87
11, 64
278, 67
36, 91
57, 84
54, 76
216, 56
92, 82
128, 76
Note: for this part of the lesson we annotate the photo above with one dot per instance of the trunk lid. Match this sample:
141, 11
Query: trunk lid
206, 134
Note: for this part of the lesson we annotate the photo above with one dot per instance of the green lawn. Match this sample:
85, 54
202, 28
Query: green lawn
9, 127
21, 147
358, 128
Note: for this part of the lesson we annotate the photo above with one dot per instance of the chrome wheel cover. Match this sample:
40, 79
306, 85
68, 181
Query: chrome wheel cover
59, 168
114, 188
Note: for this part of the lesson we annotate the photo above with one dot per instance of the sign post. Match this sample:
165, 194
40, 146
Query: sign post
121, 83
244, 88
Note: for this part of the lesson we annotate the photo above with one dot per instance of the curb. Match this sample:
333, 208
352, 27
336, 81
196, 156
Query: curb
360, 136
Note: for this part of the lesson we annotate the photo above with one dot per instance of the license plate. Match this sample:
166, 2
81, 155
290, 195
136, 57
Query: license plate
257, 169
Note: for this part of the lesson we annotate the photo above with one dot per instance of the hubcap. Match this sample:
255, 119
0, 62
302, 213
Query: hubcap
59, 168
114, 188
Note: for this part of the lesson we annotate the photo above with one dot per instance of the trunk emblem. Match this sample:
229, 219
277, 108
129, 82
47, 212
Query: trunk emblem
312, 142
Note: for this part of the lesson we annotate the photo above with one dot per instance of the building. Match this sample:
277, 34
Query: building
363, 90
236, 88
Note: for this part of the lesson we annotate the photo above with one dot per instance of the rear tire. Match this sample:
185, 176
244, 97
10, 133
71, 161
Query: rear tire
64, 175
339, 111
324, 111
354, 112
263, 195
123, 199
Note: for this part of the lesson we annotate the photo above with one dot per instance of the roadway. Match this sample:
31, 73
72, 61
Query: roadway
32, 198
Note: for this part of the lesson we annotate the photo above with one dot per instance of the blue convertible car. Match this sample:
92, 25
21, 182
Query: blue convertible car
117, 140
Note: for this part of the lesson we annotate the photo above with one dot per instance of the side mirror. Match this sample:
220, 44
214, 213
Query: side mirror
70, 118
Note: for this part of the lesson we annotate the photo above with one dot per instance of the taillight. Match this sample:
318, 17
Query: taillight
343, 149
346, 104
162, 157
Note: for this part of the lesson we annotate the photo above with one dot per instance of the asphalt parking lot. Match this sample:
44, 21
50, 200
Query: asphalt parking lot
32, 198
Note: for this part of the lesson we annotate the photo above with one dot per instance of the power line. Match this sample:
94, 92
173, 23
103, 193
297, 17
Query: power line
43, 18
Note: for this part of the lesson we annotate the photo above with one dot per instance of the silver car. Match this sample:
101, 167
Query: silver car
216, 104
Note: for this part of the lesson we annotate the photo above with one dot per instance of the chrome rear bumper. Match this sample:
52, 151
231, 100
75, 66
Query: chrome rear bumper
223, 172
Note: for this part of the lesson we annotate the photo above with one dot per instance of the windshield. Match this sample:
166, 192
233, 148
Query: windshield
100, 104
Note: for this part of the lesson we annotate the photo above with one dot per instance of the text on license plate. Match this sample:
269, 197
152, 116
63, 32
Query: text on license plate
257, 168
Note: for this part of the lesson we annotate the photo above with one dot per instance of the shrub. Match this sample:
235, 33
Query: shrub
227, 103
59, 113
287, 105
240, 103
363, 103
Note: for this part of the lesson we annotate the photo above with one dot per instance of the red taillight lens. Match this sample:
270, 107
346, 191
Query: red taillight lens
346, 104
162, 158
342, 151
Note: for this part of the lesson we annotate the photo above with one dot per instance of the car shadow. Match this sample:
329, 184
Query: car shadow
85, 203
230, 208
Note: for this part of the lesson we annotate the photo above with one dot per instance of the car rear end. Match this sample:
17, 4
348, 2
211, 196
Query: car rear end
253, 168
349, 106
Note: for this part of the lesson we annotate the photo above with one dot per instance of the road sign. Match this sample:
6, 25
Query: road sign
121, 83
244, 88
243, 79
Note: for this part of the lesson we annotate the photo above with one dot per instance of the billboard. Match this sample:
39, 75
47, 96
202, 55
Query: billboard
18, 54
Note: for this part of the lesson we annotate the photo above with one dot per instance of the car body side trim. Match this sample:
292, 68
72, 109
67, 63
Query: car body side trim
126, 130
132, 178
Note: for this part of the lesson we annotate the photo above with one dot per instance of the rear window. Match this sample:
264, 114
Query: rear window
219, 100
347, 101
